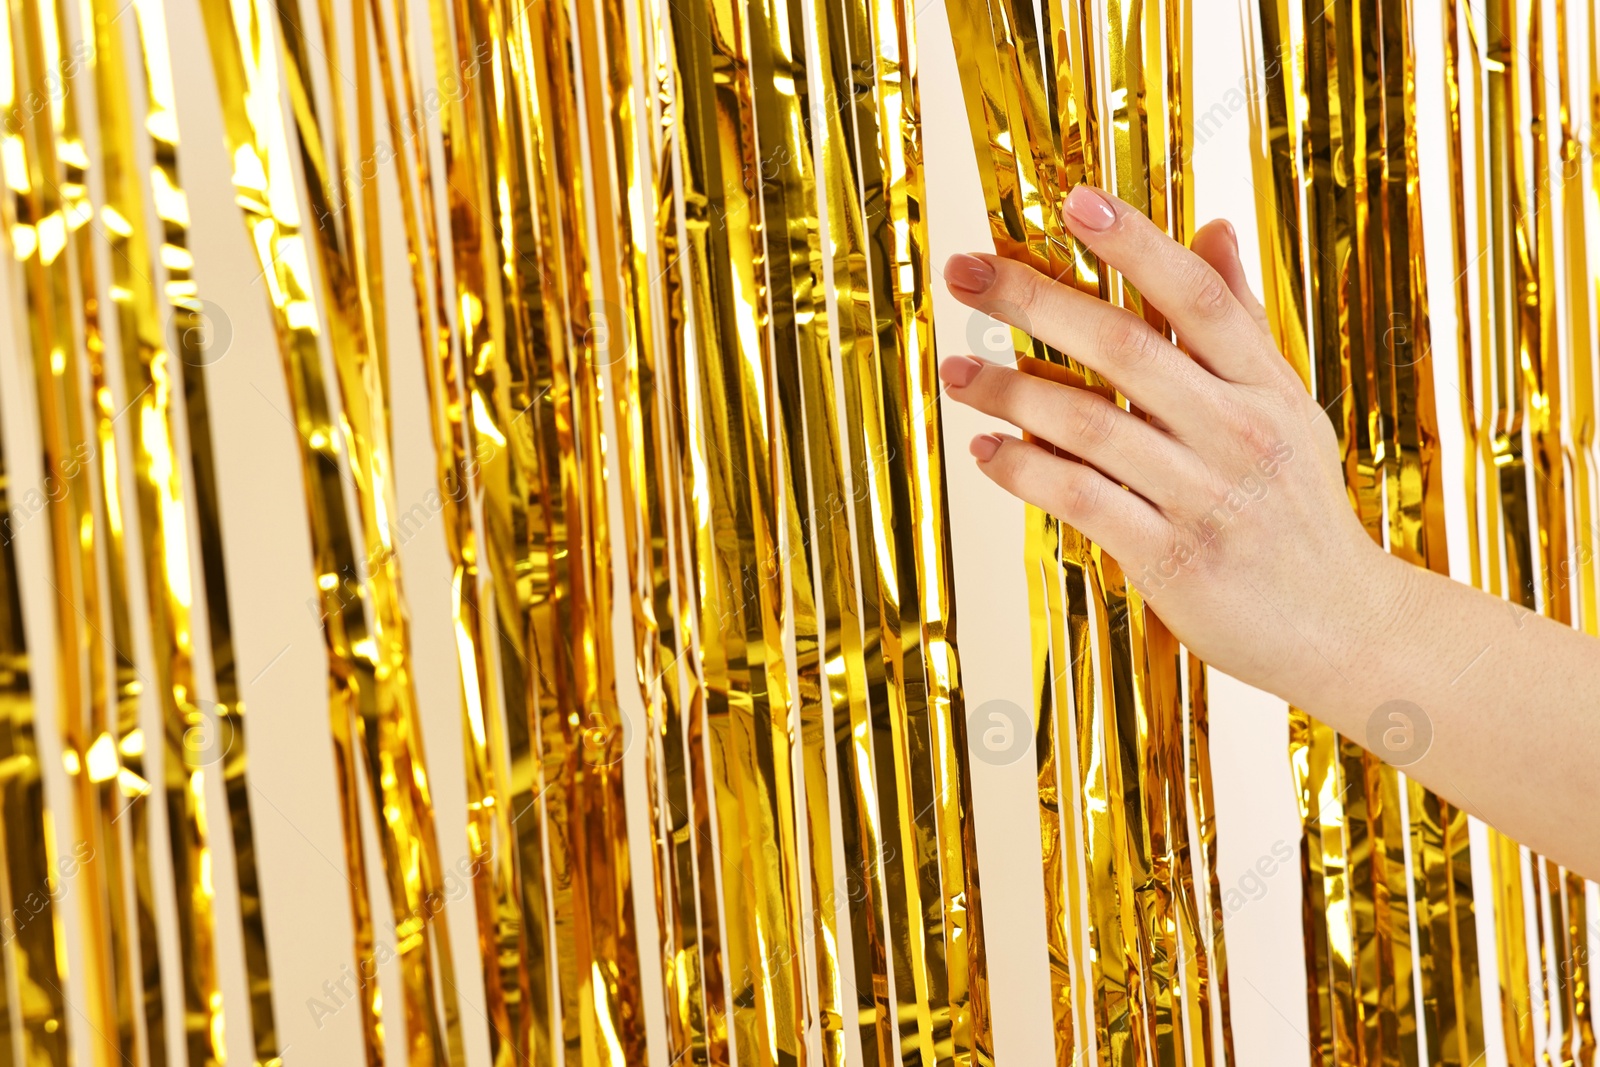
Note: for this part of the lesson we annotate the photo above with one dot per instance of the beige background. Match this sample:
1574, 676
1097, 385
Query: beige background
282, 661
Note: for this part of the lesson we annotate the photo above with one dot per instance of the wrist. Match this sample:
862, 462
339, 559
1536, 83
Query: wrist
1355, 658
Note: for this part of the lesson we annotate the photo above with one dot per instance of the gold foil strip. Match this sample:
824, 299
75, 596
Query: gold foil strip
389, 729
739, 689
740, 558
1335, 84
190, 739
227, 734
483, 455
928, 659
796, 295
643, 393
924, 685
582, 727
687, 901
842, 465
700, 983
36, 961
196, 736
1569, 457
371, 695
48, 208
1098, 92
738, 317
114, 763
1515, 353
916, 595
1577, 154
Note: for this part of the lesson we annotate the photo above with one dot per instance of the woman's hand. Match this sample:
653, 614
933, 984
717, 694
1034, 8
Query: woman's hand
1228, 512
1234, 523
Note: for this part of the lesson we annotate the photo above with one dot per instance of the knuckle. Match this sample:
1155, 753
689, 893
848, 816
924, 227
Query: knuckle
1009, 466
1235, 416
1187, 544
1081, 495
1027, 291
1208, 507
1093, 419
1209, 296
1003, 387
1127, 341
1253, 433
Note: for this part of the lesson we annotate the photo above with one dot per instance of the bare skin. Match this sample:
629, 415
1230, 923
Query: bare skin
1228, 511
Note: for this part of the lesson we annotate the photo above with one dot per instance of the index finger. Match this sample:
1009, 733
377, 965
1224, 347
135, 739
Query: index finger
1196, 300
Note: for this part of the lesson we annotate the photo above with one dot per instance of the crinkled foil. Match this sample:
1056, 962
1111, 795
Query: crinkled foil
1522, 175
1098, 92
1343, 263
54, 223
667, 268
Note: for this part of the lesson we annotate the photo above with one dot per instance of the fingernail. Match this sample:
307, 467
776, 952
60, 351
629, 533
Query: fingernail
985, 445
1090, 208
959, 370
968, 273
1233, 235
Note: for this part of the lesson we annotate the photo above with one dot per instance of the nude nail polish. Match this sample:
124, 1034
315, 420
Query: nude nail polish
959, 371
1090, 209
968, 273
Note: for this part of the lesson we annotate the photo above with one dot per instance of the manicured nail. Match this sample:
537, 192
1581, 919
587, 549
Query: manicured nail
1090, 208
968, 273
959, 370
985, 445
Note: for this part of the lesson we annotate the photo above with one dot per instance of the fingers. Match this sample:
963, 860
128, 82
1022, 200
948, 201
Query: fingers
1126, 448
1195, 298
1115, 343
1119, 521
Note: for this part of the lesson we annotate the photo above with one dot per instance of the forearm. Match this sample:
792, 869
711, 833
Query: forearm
1511, 700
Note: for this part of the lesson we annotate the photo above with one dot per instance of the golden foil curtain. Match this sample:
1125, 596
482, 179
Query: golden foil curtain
666, 266
1097, 91
667, 271
1524, 185
800, 473
1390, 893
110, 365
